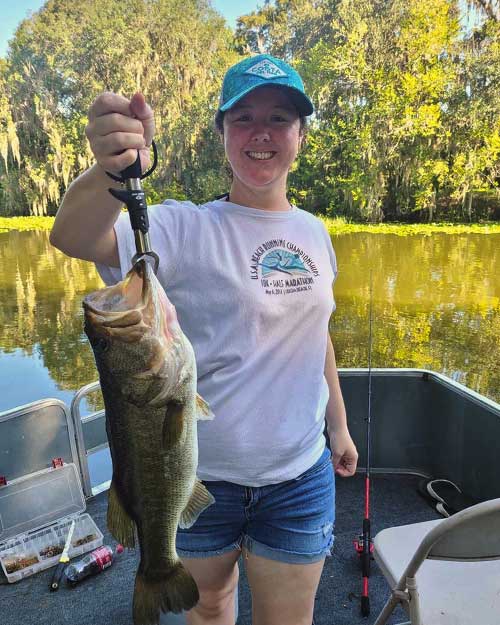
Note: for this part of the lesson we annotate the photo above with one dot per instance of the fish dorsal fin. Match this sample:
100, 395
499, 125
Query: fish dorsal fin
173, 424
203, 412
200, 499
121, 526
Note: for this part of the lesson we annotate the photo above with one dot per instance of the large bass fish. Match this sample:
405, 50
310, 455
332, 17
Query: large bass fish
147, 372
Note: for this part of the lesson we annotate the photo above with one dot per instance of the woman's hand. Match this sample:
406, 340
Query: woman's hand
119, 127
344, 453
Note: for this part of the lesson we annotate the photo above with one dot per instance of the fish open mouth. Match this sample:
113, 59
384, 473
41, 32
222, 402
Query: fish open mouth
122, 305
129, 294
132, 307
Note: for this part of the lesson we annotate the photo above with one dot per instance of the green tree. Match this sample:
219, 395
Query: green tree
66, 54
392, 81
473, 118
9, 144
407, 121
490, 7
285, 28
380, 84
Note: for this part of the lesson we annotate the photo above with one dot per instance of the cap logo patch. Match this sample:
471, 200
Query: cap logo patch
266, 69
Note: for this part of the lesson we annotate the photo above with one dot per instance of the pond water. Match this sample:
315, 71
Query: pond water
435, 305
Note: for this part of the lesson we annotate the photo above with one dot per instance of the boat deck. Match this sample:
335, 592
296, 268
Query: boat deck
107, 598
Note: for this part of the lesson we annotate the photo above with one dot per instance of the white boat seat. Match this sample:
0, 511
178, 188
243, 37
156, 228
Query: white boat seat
454, 563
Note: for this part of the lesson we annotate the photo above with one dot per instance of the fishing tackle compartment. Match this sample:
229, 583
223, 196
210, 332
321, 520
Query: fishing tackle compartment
40, 491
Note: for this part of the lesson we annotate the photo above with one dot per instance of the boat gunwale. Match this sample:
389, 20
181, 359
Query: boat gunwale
441, 378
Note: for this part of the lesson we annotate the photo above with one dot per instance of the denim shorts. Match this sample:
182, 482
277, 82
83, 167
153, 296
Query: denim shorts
290, 521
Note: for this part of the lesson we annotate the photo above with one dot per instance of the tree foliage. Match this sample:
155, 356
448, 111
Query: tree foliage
66, 54
407, 103
407, 122
490, 7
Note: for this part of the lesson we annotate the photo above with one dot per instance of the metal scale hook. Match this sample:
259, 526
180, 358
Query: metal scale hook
135, 200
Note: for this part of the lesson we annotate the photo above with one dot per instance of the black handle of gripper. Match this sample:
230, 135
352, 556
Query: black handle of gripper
134, 170
136, 205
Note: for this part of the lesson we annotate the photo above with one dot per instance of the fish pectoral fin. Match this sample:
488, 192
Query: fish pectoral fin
200, 499
163, 397
173, 424
203, 412
121, 526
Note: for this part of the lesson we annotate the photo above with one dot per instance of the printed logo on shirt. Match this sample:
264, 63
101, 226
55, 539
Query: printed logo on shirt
283, 267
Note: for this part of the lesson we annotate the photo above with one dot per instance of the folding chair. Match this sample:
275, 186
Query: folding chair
444, 572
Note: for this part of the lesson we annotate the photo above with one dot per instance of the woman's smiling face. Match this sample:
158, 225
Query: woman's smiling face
262, 135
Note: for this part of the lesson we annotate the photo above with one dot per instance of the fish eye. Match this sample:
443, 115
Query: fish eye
102, 344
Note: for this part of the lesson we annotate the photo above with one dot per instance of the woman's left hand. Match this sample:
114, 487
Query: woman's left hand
344, 453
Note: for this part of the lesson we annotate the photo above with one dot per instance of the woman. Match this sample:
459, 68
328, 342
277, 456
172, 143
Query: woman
250, 276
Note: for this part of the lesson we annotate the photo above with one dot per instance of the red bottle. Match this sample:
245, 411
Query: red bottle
93, 563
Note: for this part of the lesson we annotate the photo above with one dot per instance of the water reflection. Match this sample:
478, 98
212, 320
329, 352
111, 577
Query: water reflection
41, 319
435, 305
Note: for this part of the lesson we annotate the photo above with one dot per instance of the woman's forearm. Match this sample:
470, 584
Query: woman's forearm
83, 227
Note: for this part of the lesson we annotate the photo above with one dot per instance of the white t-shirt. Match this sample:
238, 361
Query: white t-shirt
253, 293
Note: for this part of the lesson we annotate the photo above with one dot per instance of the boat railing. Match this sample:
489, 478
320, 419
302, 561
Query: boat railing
90, 435
423, 423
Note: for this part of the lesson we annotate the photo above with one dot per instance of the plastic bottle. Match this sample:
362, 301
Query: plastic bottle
93, 563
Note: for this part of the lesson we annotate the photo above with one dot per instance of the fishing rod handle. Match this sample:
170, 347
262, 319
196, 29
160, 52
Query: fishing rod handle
367, 548
365, 606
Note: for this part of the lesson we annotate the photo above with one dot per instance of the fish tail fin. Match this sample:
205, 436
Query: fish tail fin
174, 592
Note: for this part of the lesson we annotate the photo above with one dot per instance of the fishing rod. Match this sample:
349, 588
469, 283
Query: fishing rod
135, 200
363, 544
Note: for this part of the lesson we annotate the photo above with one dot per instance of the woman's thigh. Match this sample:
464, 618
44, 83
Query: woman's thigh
290, 521
216, 573
219, 529
217, 581
286, 531
293, 522
281, 592
210, 550
286, 541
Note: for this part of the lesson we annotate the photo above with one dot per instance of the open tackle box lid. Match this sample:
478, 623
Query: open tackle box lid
35, 501
31, 436
38, 502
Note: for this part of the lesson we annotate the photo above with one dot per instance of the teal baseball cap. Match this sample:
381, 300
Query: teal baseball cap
260, 71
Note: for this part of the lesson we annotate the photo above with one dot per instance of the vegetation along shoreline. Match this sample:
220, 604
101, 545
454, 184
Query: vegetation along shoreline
334, 226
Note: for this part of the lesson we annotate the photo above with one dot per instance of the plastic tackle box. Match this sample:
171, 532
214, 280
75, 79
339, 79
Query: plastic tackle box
35, 515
